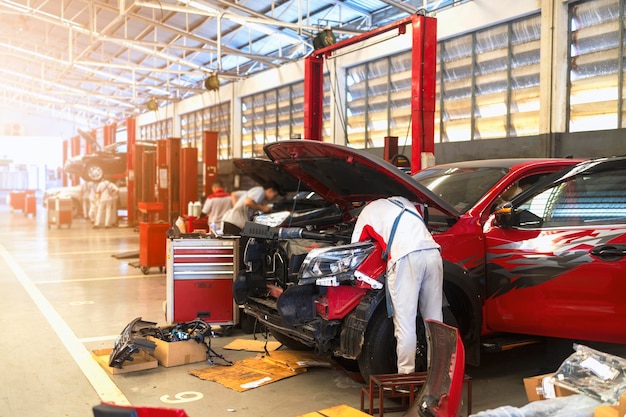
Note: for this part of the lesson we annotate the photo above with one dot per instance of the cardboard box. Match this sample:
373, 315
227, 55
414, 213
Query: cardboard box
536, 386
612, 410
141, 361
178, 353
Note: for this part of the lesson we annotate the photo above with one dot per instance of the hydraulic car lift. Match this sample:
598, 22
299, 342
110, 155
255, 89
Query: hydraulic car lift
424, 57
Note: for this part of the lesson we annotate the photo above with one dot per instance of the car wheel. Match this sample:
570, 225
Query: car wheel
378, 354
93, 172
289, 342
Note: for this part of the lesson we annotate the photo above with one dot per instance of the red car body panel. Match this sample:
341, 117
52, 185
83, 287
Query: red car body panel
464, 244
539, 282
545, 282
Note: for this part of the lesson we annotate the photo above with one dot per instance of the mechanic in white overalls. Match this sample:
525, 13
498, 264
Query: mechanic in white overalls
106, 215
414, 268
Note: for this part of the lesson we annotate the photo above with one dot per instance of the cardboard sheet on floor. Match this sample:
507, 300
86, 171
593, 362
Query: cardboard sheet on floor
338, 411
252, 345
261, 370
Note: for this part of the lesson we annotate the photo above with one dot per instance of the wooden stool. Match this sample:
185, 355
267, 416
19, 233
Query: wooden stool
394, 386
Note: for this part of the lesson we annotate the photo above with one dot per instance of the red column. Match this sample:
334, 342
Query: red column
424, 66
75, 151
173, 180
162, 187
109, 133
188, 177
313, 97
391, 147
209, 159
130, 169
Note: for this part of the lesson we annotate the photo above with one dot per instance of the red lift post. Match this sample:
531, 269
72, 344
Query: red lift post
130, 167
424, 61
209, 159
188, 178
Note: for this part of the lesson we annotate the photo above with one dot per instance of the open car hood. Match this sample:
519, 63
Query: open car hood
262, 171
345, 176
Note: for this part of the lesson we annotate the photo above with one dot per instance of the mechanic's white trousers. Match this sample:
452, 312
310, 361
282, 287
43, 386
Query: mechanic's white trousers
107, 213
93, 209
86, 207
414, 280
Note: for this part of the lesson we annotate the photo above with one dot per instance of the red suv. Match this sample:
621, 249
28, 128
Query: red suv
504, 272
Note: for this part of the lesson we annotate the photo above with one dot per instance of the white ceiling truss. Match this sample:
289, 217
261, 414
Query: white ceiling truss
94, 61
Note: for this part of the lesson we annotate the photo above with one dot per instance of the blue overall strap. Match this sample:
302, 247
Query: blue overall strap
385, 255
394, 227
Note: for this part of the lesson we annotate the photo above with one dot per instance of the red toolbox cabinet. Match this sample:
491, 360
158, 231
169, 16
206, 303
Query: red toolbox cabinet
60, 212
17, 200
152, 245
200, 274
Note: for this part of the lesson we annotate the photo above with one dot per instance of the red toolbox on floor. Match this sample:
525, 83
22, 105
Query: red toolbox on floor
152, 245
200, 274
60, 212
17, 200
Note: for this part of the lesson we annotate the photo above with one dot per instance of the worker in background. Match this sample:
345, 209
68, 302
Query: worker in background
236, 218
85, 196
236, 195
414, 268
93, 202
216, 204
106, 215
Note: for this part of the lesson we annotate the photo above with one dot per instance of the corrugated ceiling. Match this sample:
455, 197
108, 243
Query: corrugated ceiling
92, 61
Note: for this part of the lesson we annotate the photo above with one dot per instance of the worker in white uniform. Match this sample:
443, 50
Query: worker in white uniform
235, 219
107, 204
93, 202
217, 204
414, 268
85, 192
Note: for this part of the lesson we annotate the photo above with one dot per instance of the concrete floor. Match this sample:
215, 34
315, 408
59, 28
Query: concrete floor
63, 295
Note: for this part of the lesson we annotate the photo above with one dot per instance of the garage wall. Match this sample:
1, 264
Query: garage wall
468, 18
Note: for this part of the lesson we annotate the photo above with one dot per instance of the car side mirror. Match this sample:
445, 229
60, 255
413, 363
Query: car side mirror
504, 216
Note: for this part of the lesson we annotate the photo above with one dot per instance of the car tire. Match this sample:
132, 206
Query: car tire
289, 342
378, 354
93, 172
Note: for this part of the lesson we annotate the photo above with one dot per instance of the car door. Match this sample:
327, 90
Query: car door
556, 264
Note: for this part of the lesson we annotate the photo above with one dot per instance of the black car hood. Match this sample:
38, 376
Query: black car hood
345, 176
263, 171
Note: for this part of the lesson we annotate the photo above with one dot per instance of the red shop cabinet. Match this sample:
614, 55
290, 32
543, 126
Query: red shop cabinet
152, 245
200, 274
60, 211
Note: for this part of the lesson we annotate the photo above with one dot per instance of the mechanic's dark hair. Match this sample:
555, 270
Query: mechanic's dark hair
271, 184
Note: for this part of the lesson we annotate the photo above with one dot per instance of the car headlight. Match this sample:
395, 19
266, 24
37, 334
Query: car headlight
329, 266
272, 219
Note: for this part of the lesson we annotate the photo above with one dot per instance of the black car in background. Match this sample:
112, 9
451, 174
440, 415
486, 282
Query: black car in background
108, 162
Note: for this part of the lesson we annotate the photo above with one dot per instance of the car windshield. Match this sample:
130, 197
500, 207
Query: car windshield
460, 187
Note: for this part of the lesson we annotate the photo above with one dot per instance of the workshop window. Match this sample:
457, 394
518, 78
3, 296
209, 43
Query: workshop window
489, 82
487, 87
596, 65
275, 115
162, 129
216, 118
